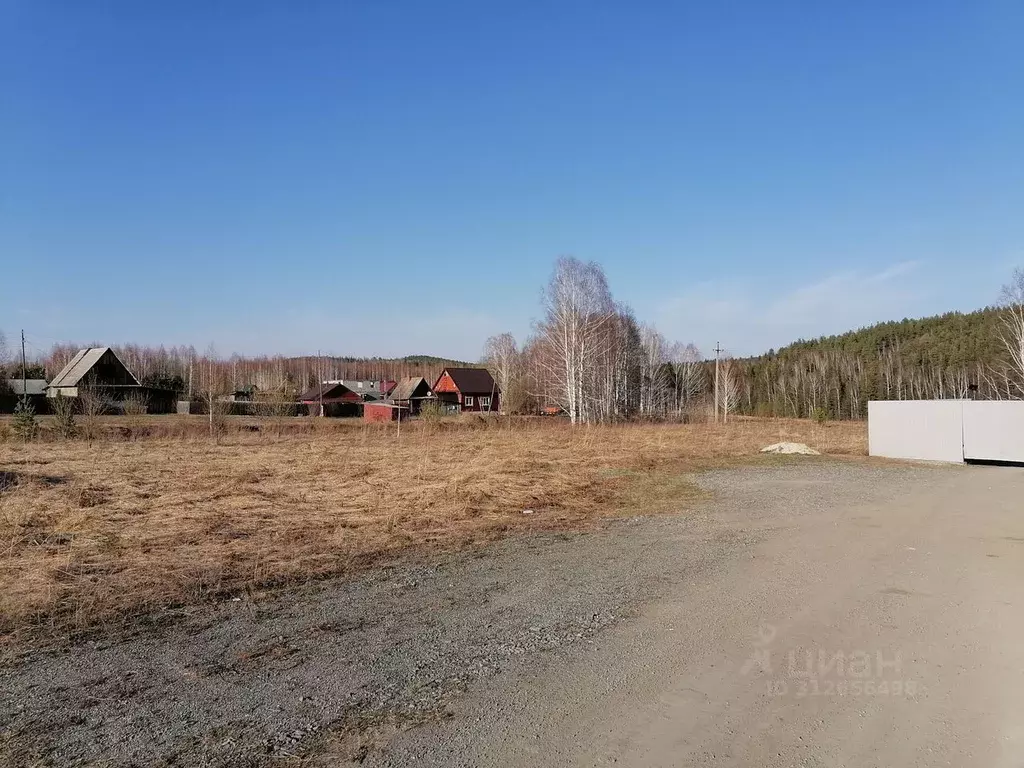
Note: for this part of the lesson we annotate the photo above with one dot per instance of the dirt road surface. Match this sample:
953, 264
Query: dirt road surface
916, 583
810, 613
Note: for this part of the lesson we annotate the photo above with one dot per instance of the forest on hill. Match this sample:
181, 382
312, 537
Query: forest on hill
593, 359
954, 355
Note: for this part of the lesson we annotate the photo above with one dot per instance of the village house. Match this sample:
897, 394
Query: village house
99, 369
34, 390
337, 400
411, 393
367, 389
459, 390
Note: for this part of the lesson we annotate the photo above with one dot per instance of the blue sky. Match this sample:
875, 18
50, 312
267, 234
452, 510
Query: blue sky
397, 178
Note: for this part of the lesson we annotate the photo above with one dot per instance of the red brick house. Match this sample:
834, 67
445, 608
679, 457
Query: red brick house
467, 389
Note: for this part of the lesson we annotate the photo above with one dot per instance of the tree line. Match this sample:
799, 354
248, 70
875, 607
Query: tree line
591, 359
956, 355
184, 370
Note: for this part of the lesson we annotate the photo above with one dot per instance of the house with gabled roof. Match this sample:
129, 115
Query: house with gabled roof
92, 367
459, 390
13, 390
100, 369
336, 398
411, 392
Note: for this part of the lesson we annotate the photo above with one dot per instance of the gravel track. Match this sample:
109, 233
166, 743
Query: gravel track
460, 648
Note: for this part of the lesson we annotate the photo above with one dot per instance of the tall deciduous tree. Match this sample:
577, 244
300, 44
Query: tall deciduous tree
3, 363
729, 387
502, 356
1012, 335
575, 334
213, 382
654, 382
688, 377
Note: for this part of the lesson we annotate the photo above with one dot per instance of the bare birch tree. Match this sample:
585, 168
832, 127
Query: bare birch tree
1012, 335
502, 356
578, 311
687, 374
654, 381
4, 359
613, 375
214, 383
729, 389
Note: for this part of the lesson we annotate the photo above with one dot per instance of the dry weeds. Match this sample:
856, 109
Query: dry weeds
96, 535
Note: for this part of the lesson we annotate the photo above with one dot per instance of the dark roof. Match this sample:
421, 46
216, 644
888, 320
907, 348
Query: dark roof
407, 388
32, 386
473, 381
326, 391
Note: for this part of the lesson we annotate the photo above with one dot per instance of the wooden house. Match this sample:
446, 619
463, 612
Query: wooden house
100, 369
459, 390
337, 399
411, 393
12, 391
367, 389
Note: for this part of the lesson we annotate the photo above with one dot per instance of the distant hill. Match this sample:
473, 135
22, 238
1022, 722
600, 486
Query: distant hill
834, 376
955, 338
441, 361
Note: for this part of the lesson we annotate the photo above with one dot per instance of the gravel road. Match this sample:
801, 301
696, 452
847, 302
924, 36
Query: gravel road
811, 613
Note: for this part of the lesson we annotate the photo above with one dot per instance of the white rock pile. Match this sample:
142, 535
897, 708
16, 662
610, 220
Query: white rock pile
798, 448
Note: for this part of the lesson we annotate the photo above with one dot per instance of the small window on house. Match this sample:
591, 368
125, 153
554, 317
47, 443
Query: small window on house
485, 402
467, 401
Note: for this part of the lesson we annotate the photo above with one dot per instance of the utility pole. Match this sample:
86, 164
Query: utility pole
320, 382
209, 367
24, 373
718, 351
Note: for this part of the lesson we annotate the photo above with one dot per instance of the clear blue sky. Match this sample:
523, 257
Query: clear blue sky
398, 177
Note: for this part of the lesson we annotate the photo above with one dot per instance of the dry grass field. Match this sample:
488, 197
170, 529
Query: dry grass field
93, 535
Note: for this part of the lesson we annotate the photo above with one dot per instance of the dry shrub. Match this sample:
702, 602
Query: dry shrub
171, 520
63, 421
431, 412
134, 407
92, 404
89, 495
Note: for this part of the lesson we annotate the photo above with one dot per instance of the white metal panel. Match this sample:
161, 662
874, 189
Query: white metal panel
928, 430
994, 430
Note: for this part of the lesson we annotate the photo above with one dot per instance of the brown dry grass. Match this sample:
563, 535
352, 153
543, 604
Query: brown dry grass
95, 535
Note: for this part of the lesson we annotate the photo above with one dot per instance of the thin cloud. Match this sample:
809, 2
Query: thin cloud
752, 319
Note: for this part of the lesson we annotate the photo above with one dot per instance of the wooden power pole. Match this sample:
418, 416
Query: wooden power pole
24, 373
718, 352
320, 382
